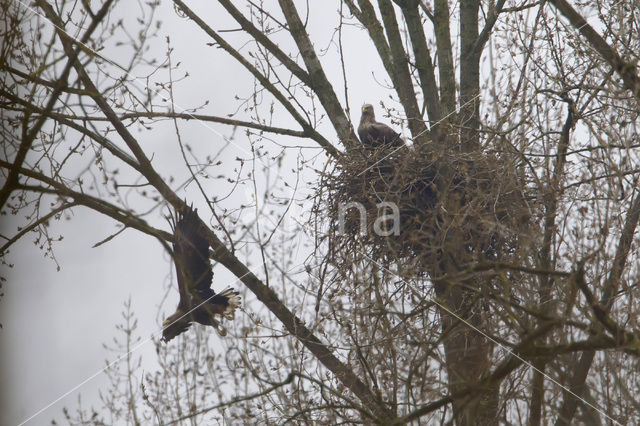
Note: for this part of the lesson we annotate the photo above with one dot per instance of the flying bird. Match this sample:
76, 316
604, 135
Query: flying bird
374, 134
198, 302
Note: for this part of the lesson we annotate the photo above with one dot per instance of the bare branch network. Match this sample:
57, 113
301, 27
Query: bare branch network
469, 257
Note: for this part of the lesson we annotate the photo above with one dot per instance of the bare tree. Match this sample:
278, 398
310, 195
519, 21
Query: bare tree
509, 293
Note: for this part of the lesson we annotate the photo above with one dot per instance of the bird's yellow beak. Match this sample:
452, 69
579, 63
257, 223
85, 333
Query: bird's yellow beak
364, 109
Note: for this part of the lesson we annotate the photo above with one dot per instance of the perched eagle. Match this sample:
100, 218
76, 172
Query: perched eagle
374, 134
198, 302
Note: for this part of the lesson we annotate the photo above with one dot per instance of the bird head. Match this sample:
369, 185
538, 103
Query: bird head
168, 321
367, 109
174, 325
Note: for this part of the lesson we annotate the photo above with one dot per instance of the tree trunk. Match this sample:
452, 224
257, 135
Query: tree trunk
467, 353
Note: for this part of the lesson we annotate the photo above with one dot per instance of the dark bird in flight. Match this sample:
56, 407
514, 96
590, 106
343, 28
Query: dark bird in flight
374, 134
198, 302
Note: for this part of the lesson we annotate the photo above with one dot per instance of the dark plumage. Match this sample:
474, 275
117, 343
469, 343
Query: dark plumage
374, 134
198, 302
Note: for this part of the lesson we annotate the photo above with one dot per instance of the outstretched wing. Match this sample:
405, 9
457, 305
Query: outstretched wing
191, 255
377, 134
175, 327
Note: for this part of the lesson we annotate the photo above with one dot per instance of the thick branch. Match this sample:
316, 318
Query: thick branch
423, 62
43, 82
627, 71
445, 56
469, 75
153, 115
400, 68
221, 120
367, 17
492, 18
319, 82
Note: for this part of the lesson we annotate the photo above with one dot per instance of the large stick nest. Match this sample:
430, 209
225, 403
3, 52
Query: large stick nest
470, 204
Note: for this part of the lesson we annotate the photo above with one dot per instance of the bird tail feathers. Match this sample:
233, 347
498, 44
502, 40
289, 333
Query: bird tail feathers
233, 301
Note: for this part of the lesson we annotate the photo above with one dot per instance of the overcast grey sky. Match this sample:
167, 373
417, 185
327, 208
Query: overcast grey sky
55, 323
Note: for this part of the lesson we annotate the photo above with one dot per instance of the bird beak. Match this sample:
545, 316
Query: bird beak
363, 109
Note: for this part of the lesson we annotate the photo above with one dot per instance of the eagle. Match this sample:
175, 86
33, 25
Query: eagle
198, 302
374, 134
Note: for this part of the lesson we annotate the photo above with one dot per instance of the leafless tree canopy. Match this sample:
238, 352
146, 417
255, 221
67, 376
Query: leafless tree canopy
508, 294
